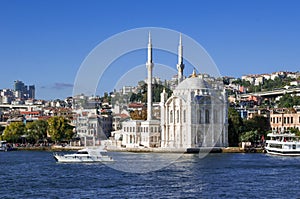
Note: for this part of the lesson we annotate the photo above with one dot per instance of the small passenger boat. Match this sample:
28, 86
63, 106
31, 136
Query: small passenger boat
86, 155
285, 144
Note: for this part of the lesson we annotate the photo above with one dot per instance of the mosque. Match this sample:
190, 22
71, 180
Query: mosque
194, 116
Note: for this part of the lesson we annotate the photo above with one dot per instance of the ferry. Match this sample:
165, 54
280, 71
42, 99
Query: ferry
284, 144
86, 155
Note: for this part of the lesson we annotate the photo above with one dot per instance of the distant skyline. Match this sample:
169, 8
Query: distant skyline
44, 42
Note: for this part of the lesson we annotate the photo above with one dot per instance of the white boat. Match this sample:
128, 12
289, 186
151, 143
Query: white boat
86, 155
285, 144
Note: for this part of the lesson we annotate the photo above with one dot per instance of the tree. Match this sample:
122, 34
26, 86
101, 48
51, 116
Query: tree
288, 101
59, 129
249, 136
138, 115
235, 123
258, 123
36, 130
14, 131
295, 131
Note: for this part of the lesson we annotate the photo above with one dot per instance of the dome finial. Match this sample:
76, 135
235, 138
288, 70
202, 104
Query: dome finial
194, 73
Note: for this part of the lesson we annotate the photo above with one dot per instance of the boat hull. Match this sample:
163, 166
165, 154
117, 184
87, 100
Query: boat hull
63, 159
283, 152
84, 156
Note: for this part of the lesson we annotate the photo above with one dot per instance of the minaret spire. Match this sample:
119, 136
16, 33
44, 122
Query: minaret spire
180, 65
149, 66
149, 48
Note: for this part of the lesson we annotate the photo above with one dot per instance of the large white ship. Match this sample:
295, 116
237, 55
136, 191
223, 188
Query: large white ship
285, 144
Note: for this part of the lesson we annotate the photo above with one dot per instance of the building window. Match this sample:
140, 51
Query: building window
177, 113
171, 116
215, 117
292, 121
199, 117
284, 120
184, 116
207, 116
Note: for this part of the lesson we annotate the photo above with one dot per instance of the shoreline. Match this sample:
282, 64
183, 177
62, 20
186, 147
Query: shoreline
150, 150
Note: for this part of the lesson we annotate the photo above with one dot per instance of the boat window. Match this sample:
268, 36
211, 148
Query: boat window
279, 146
82, 152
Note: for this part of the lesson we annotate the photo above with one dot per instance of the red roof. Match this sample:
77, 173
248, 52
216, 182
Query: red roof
135, 105
30, 112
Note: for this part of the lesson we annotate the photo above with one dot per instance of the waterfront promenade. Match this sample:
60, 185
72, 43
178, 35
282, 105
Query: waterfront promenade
145, 150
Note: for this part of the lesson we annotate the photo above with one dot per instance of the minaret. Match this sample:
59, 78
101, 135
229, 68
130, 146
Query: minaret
180, 65
149, 66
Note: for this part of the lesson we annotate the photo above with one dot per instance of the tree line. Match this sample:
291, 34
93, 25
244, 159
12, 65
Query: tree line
252, 130
57, 127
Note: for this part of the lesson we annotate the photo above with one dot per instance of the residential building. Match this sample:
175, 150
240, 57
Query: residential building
282, 119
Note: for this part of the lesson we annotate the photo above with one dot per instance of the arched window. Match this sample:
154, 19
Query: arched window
177, 115
184, 116
171, 116
206, 116
199, 115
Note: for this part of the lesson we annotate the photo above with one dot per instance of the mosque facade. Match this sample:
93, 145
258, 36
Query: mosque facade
194, 116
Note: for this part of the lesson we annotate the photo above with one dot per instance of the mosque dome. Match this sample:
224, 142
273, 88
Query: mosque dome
193, 83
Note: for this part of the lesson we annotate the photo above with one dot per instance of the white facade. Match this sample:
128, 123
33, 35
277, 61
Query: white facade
194, 116
91, 126
137, 133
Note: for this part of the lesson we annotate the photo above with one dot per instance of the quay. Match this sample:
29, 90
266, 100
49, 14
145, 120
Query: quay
188, 151
149, 150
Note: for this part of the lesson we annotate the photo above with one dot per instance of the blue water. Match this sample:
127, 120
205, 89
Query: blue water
35, 174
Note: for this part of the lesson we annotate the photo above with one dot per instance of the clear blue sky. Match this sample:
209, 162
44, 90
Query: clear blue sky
45, 42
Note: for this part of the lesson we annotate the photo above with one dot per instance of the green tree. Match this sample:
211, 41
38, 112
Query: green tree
235, 123
288, 101
295, 131
249, 136
36, 130
59, 129
14, 131
258, 123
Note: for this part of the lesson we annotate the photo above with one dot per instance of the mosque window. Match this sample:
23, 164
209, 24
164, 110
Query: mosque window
199, 117
216, 116
207, 116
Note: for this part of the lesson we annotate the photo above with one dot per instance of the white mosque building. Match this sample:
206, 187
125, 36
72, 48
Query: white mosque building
194, 116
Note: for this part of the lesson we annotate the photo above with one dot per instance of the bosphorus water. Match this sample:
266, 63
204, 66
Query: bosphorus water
35, 174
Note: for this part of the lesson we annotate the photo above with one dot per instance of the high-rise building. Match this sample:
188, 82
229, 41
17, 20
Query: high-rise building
19, 86
31, 92
23, 91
